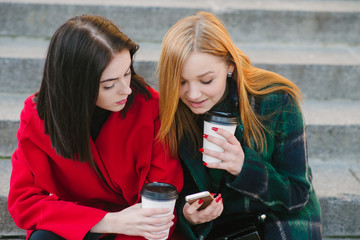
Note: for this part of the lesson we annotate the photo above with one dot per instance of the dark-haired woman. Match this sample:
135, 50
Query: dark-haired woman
86, 142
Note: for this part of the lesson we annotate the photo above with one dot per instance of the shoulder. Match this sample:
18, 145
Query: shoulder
142, 97
154, 93
29, 109
29, 118
273, 102
146, 104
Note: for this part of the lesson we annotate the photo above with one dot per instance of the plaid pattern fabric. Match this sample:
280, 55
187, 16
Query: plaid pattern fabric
277, 181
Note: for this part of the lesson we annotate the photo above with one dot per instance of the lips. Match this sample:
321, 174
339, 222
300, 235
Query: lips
122, 102
197, 104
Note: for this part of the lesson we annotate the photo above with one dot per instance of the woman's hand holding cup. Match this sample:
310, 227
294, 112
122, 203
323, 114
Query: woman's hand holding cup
221, 148
232, 159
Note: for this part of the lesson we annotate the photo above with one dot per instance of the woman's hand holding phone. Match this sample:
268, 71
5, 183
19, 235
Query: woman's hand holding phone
202, 207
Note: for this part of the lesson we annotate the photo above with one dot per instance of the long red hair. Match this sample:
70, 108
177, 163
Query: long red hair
204, 32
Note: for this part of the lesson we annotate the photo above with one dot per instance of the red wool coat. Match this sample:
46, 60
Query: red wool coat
66, 197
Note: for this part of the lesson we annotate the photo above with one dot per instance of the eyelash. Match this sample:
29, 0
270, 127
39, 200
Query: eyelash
126, 74
208, 82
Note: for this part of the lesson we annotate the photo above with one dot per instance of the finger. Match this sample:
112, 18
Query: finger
216, 140
157, 221
212, 153
155, 235
192, 208
216, 165
229, 145
220, 208
229, 136
159, 228
155, 211
212, 206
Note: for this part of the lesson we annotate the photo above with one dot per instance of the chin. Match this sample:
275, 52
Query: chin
198, 110
116, 109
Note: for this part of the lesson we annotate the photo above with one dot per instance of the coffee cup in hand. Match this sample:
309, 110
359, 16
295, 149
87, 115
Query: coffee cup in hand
159, 195
219, 120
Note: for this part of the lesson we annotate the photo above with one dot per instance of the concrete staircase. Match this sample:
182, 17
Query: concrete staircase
315, 43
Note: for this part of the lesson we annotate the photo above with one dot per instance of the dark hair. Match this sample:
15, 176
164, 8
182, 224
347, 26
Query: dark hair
78, 53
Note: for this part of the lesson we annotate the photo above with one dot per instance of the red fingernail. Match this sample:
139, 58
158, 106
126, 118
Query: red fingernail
205, 163
214, 128
213, 194
217, 199
205, 135
201, 201
201, 149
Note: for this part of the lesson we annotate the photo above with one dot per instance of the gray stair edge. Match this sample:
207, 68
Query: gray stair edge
322, 82
330, 26
260, 53
280, 5
304, 65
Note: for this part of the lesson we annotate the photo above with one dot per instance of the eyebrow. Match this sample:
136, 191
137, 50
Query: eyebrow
108, 80
112, 79
201, 75
204, 74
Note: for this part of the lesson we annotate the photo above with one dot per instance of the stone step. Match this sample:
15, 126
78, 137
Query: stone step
333, 127
339, 199
337, 185
320, 72
299, 22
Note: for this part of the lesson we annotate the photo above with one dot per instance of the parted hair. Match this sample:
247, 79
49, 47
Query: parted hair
203, 32
78, 53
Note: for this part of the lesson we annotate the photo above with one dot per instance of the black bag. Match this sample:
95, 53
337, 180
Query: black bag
250, 228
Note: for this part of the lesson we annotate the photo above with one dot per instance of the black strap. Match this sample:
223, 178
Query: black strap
249, 228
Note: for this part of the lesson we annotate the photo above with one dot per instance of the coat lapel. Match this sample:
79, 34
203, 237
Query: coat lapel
195, 166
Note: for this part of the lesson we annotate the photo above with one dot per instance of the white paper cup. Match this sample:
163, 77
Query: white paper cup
219, 120
159, 195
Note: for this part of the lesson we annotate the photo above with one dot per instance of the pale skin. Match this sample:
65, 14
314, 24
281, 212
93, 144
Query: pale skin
134, 220
203, 85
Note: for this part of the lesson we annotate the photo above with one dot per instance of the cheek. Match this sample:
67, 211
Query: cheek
100, 99
181, 93
98, 102
216, 91
219, 90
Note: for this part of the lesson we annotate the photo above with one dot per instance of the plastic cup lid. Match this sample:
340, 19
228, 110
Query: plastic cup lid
159, 191
220, 117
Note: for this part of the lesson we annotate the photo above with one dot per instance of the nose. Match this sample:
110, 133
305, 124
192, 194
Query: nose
124, 88
193, 92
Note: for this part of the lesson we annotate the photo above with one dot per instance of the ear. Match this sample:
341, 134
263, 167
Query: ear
231, 68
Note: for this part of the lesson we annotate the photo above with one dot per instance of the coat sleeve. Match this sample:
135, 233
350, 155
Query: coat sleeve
283, 183
32, 207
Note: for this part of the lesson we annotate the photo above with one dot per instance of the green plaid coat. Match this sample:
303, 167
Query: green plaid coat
277, 181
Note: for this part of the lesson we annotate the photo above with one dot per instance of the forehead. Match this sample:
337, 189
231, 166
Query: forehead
199, 61
119, 64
